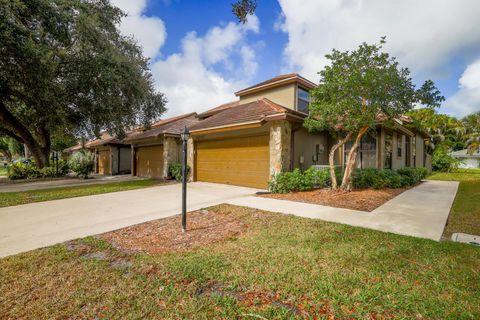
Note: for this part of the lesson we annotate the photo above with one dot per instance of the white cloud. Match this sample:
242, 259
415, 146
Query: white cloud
191, 78
467, 98
150, 32
422, 34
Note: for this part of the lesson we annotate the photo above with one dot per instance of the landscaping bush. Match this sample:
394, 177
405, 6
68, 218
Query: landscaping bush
441, 161
379, 179
175, 171
299, 181
82, 163
29, 170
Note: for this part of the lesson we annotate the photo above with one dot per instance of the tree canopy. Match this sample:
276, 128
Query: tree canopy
359, 89
67, 70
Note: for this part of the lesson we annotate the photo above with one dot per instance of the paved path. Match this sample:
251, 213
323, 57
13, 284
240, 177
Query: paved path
36, 225
18, 186
421, 211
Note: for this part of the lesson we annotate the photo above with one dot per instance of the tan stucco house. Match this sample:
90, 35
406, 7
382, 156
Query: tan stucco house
112, 155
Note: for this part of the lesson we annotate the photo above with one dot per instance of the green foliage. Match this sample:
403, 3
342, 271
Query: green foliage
242, 8
443, 162
472, 132
299, 181
68, 70
175, 171
82, 163
30, 170
379, 179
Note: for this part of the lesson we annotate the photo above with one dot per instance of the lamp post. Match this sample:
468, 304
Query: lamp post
184, 135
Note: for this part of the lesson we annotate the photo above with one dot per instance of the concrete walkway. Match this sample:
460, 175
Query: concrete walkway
421, 211
36, 225
19, 186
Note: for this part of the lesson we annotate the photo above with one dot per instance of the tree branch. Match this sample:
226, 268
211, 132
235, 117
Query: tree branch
11, 134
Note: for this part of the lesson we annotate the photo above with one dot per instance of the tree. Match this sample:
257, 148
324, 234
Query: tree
358, 90
67, 70
472, 132
242, 8
10, 147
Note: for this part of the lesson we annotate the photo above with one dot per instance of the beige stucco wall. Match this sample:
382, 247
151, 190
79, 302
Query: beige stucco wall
283, 95
304, 144
398, 162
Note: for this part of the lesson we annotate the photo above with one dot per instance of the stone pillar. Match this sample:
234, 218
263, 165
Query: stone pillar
280, 144
170, 153
191, 158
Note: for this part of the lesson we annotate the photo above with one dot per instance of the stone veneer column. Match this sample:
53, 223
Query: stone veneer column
280, 144
190, 158
170, 153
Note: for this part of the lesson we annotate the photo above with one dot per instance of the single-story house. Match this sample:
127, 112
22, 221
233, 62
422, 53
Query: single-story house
247, 141
467, 160
112, 155
153, 150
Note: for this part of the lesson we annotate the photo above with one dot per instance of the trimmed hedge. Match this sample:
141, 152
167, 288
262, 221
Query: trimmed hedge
29, 170
296, 180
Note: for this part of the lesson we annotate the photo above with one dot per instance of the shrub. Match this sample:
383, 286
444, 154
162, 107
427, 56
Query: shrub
299, 181
441, 161
379, 179
175, 171
22, 170
82, 163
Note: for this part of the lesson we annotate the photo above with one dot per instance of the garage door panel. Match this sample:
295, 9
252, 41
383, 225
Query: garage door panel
104, 162
149, 161
240, 161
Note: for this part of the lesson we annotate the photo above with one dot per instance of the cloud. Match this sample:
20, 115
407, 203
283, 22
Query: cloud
149, 32
467, 99
424, 35
208, 69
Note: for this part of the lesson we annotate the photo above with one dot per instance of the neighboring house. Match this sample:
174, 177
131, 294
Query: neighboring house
153, 150
467, 161
112, 155
246, 142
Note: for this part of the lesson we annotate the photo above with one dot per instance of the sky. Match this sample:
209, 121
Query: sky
200, 55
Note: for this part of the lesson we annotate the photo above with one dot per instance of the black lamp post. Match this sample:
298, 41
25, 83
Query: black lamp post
184, 135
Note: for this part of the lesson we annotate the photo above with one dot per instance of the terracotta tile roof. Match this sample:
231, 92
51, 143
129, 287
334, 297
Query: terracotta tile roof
249, 112
105, 138
168, 126
216, 110
284, 78
73, 148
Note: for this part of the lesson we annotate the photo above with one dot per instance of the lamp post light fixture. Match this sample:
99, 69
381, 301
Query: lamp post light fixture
184, 136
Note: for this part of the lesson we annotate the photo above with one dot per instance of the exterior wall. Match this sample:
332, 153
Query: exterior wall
304, 145
125, 159
420, 149
96, 151
170, 153
284, 95
279, 144
114, 150
120, 159
398, 161
190, 158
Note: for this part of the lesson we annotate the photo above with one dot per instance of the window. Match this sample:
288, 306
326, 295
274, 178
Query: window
414, 150
388, 151
367, 152
303, 100
399, 145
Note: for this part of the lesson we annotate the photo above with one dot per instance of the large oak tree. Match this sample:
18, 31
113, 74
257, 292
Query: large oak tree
357, 90
66, 69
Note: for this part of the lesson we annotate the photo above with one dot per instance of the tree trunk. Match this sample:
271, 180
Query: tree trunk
331, 156
352, 157
15, 129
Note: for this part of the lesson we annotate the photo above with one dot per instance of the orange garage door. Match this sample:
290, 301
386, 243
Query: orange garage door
104, 162
149, 161
238, 161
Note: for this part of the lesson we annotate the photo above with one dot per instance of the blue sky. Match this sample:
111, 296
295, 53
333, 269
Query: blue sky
201, 55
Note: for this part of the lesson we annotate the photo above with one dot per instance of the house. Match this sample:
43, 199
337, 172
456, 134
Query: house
467, 160
112, 155
153, 150
246, 142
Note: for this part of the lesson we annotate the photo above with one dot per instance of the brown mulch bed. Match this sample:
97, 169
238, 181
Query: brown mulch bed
363, 200
165, 235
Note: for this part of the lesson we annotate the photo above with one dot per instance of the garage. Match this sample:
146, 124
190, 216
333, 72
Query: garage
104, 162
149, 161
236, 161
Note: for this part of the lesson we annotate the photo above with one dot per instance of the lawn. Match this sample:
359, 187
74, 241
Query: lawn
279, 267
16, 198
465, 214
3, 171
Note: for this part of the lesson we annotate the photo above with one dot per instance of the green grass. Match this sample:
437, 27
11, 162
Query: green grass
465, 214
319, 267
3, 171
16, 198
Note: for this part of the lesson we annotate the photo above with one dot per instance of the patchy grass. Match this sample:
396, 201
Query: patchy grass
3, 171
281, 267
465, 214
16, 198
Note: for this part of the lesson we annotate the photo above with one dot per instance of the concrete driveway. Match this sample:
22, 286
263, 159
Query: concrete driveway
41, 224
